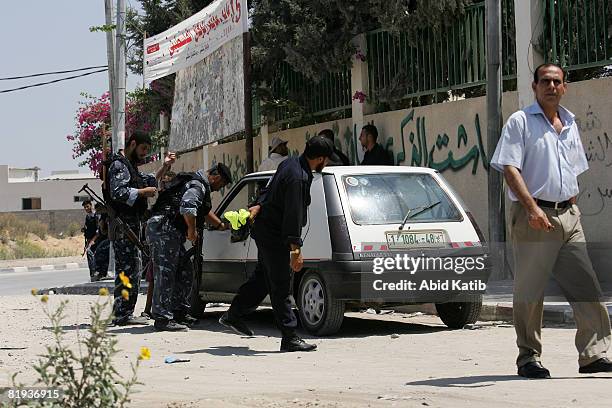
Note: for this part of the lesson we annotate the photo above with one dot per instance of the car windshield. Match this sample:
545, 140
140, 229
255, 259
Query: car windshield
388, 198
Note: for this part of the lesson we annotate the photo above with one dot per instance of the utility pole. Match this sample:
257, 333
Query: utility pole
497, 233
110, 54
120, 78
248, 102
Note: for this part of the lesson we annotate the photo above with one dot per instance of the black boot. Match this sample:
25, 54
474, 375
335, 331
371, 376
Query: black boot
168, 325
184, 318
236, 325
295, 343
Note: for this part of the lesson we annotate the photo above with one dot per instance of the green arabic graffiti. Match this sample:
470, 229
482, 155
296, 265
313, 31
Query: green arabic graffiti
424, 157
236, 165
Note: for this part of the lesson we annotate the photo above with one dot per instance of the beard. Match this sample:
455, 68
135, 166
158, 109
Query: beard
134, 158
320, 167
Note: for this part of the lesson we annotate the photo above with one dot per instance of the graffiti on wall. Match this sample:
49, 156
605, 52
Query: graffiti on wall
596, 185
236, 164
445, 153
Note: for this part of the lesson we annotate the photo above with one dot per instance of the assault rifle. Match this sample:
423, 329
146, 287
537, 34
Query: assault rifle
112, 214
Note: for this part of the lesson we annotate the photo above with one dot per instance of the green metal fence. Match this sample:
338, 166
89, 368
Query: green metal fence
576, 33
331, 94
453, 57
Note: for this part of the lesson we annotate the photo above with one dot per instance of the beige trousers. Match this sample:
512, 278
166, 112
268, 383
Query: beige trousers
563, 254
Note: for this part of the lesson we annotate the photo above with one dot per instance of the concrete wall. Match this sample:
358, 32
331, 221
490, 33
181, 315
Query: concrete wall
58, 221
54, 194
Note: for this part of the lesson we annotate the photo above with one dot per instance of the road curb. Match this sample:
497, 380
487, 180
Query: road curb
66, 266
90, 288
553, 313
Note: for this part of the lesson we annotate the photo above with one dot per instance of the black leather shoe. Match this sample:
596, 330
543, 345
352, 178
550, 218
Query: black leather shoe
533, 369
603, 365
169, 325
295, 343
185, 319
236, 325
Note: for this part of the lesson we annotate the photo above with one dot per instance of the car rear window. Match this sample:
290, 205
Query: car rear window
386, 198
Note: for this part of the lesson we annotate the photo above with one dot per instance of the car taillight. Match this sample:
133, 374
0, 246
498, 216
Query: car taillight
476, 227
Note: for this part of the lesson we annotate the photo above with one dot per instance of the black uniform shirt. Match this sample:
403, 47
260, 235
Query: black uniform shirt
338, 158
378, 156
285, 204
91, 226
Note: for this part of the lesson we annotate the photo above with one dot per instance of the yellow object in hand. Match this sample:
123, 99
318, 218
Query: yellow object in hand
237, 219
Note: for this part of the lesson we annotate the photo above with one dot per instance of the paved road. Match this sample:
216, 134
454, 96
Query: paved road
19, 283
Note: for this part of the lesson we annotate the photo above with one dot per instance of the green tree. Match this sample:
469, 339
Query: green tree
312, 36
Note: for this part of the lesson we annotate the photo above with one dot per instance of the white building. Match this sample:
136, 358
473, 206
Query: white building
24, 190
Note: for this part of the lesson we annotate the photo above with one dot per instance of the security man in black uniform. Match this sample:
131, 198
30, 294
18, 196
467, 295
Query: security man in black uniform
277, 229
126, 191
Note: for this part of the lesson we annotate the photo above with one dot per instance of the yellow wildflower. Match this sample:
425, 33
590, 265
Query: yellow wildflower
34, 291
44, 298
103, 292
125, 294
125, 280
145, 353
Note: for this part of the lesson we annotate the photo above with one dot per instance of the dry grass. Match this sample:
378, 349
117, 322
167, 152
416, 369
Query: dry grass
14, 228
30, 239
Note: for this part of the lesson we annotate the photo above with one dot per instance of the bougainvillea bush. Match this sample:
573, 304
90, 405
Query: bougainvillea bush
94, 114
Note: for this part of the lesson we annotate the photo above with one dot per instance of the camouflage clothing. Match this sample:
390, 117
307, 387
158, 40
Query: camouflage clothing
127, 260
130, 207
172, 270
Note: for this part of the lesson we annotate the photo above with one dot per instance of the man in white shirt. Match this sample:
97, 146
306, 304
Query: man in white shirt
541, 156
278, 153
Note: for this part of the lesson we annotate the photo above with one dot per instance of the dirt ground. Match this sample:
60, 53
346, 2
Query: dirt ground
365, 365
74, 245
50, 247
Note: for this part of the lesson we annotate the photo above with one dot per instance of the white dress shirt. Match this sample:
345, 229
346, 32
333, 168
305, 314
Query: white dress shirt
272, 162
549, 162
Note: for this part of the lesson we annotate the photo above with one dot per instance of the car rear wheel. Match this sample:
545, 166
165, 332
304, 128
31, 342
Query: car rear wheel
319, 312
455, 315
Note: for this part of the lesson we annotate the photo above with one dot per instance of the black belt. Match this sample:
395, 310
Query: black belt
551, 204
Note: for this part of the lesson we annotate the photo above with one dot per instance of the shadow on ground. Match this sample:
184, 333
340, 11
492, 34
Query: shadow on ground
262, 323
479, 381
225, 351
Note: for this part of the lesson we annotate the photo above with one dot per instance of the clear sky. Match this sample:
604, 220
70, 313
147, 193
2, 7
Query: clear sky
42, 36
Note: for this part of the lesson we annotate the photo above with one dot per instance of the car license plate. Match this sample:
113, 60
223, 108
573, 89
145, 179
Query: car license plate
412, 239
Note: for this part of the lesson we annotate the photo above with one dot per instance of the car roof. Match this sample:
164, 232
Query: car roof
347, 170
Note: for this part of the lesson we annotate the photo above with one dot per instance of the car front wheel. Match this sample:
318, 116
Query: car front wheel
455, 315
319, 312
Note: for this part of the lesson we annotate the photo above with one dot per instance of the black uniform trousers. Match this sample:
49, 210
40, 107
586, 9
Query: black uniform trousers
273, 276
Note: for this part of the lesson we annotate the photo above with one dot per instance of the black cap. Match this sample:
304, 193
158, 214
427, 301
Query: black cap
224, 172
318, 146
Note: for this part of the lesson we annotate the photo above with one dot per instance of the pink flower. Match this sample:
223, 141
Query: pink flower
360, 95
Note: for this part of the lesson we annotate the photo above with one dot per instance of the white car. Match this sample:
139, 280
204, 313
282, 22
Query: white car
355, 216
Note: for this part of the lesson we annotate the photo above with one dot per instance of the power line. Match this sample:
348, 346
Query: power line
52, 73
51, 82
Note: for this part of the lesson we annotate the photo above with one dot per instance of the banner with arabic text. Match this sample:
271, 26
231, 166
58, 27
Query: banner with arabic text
195, 38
